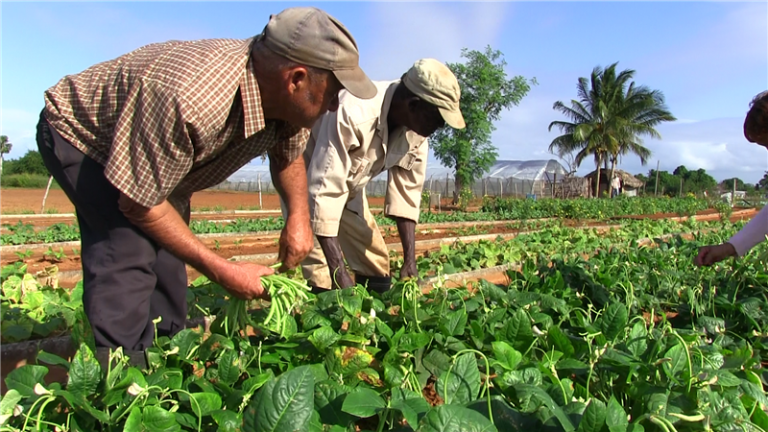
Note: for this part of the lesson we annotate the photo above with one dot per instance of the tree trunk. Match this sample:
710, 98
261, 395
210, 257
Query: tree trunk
1, 165
613, 173
458, 185
597, 177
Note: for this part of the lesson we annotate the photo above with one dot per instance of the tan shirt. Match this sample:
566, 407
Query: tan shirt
170, 119
349, 147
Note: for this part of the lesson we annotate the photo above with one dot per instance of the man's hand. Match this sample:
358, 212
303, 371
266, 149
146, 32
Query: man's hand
409, 270
296, 242
709, 255
243, 280
164, 224
335, 258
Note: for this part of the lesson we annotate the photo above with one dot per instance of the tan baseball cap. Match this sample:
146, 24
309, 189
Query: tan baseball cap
312, 37
432, 81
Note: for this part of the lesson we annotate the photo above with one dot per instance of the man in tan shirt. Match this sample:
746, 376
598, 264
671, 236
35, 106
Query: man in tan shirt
129, 140
357, 142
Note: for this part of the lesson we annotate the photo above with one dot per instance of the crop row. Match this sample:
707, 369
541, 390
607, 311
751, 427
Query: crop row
31, 311
629, 339
493, 209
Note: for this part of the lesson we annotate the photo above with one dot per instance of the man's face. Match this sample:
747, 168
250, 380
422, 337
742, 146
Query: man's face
311, 97
423, 118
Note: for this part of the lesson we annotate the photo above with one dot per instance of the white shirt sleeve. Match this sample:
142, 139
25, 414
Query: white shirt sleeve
752, 233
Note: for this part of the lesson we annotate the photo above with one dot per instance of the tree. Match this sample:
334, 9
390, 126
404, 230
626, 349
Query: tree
763, 183
608, 119
485, 93
5, 148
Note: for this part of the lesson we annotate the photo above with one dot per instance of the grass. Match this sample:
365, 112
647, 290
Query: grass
28, 181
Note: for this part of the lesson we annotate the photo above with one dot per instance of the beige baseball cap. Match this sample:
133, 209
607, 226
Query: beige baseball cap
312, 37
432, 81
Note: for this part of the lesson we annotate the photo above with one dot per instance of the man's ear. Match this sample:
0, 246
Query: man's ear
297, 78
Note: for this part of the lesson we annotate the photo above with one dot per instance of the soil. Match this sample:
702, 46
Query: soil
18, 201
229, 247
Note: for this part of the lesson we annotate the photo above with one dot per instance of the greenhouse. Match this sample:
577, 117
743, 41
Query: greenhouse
506, 178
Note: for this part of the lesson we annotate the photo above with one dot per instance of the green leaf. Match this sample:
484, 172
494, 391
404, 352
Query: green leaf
410, 404
185, 340
214, 344
462, 384
616, 418
593, 418
613, 320
228, 421
506, 356
454, 323
455, 418
23, 379
133, 421
560, 341
519, 330
84, 372
7, 405
363, 402
637, 342
412, 341
528, 391
324, 337
157, 419
678, 361
284, 404
229, 367
329, 399
727, 379
206, 403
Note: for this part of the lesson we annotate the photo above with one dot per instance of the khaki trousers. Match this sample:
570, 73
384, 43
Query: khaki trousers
361, 242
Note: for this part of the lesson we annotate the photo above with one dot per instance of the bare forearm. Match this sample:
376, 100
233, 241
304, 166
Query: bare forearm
335, 259
291, 183
164, 224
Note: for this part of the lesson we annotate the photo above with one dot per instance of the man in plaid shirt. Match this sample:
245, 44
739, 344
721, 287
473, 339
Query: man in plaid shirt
129, 140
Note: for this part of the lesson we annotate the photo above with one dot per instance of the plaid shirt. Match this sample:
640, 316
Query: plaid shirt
170, 119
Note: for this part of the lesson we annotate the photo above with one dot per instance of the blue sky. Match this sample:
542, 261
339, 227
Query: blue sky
709, 59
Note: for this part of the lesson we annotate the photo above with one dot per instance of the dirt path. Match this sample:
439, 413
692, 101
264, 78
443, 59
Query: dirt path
23, 201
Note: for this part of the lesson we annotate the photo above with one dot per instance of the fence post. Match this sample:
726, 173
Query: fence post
45, 197
261, 207
501, 189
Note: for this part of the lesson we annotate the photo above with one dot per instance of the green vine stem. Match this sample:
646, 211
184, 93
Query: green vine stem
486, 392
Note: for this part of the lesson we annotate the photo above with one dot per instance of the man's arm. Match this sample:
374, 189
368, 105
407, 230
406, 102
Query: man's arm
328, 171
403, 202
406, 228
290, 180
164, 224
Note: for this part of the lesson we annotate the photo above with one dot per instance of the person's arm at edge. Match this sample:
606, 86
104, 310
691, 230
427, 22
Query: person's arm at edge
751, 234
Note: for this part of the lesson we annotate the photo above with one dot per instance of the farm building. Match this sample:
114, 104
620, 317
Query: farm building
630, 183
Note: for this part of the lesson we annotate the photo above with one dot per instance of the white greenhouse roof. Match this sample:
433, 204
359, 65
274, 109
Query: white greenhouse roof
502, 169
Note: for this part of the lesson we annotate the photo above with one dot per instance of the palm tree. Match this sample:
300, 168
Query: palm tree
642, 109
5, 148
606, 121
